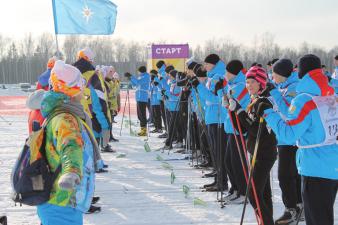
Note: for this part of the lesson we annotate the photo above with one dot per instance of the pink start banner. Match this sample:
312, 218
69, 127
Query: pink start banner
170, 51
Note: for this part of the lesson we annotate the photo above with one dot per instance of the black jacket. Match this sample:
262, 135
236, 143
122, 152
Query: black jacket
249, 123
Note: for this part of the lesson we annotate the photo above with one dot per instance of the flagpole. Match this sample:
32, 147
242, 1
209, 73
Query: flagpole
55, 31
57, 47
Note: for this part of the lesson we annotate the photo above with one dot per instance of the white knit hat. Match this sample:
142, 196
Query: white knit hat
86, 54
66, 78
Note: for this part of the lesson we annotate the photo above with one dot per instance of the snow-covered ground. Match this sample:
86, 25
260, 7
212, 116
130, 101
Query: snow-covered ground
137, 190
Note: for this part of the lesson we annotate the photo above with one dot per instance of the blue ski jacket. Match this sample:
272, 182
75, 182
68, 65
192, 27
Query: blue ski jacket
214, 112
282, 98
237, 89
304, 125
142, 84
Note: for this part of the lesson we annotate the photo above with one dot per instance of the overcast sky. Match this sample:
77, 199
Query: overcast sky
194, 21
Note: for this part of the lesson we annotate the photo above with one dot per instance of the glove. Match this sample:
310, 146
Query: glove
225, 102
234, 106
128, 75
68, 181
263, 105
269, 87
155, 83
218, 86
329, 78
194, 81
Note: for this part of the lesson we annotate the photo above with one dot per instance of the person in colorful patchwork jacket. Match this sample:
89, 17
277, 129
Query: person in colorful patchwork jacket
69, 144
317, 154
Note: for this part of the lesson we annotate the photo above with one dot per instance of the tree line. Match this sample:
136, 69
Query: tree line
24, 60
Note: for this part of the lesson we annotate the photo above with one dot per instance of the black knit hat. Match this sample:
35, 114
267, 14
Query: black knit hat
308, 63
200, 72
153, 72
336, 57
169, 68
159, 64
234, 66
173, 73
274, 60
191, 65
269, 63
283, 67
142, 69
212, 59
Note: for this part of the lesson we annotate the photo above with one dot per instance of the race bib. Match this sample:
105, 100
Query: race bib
328, 111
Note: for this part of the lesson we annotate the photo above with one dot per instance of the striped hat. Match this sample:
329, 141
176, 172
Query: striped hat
257, 73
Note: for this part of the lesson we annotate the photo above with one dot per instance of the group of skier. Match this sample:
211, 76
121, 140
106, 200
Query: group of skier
239, 122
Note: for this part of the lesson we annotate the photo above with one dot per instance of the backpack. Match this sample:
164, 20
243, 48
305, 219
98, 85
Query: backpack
32, 180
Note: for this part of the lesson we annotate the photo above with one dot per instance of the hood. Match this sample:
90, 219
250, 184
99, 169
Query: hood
219, 70
34, 99
293, 78
83, 65
51, 101
44, 78
315, 83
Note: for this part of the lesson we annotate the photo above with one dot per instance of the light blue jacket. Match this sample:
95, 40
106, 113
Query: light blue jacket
214, 112
142, 84
236, 88
283, 96
155, 92
173, 94
198, 104
304, 125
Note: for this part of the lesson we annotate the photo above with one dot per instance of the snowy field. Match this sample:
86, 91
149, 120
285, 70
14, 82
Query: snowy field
138, 188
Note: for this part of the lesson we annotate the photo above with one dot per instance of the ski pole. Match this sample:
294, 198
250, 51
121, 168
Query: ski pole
124, 110
243, 166
176, 114
3, 118
300, 215
129, 111
247, 162
218, 152
253, 162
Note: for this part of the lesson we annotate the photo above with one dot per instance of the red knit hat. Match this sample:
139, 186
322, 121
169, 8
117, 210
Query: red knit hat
259, 74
